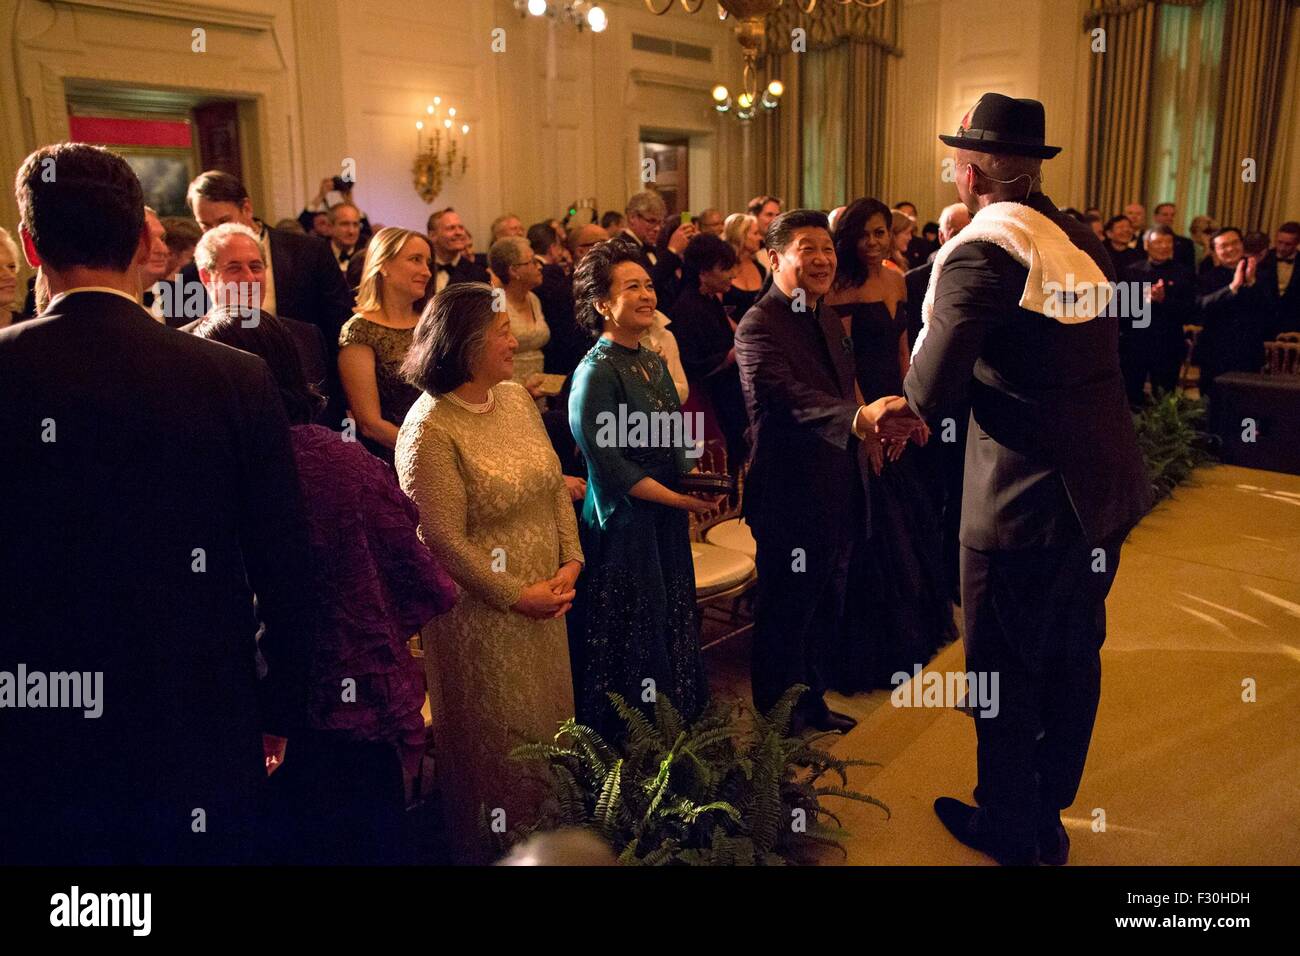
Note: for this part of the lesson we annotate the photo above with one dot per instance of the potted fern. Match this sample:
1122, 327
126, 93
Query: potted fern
733, 788
1172, 437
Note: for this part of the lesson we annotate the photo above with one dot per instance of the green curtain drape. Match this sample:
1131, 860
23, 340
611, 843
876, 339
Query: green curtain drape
778, 138
1261, 76
1118, 101
826, 144
1184, 107
1177, 86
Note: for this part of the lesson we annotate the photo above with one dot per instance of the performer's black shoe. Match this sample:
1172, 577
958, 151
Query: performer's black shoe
828, 721
1053, 845
970, 825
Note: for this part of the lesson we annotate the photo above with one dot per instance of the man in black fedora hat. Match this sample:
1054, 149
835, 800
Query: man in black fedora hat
1053, 477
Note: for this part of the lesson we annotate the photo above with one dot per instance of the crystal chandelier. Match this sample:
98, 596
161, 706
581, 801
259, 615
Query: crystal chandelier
437, 150
579, 13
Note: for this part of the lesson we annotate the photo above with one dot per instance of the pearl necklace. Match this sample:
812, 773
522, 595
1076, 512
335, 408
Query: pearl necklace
476, 408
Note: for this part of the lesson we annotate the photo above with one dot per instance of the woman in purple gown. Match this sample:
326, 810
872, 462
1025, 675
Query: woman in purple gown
339, 796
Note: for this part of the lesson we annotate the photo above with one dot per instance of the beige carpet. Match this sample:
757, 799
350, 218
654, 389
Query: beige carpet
1183, 770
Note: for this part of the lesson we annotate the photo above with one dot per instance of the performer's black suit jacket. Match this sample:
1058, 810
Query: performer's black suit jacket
1051, 447
796, 372
161, 444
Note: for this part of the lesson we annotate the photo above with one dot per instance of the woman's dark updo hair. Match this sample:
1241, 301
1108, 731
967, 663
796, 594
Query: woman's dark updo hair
850, 270
269, 340
594, 277
449, 337
702, 253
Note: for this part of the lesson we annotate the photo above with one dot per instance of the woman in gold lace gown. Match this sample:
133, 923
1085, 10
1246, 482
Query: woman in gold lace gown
475, 457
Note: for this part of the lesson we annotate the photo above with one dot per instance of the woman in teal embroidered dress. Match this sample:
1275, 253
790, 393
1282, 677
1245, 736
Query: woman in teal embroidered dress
633, 627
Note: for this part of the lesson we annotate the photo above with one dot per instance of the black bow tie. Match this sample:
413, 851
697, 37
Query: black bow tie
444, 267
344, 256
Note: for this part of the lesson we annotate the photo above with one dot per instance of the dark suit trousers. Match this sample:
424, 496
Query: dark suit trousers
1038, 619
798, 611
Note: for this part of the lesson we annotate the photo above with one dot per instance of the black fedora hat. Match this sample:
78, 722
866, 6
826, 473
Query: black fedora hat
1001, 124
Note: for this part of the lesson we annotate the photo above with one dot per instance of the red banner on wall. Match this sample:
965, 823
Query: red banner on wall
111, 131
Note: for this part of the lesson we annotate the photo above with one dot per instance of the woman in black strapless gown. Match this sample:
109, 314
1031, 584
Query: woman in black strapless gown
897, 609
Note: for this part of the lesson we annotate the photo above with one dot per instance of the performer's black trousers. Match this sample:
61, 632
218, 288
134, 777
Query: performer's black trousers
802, 573
1037, 618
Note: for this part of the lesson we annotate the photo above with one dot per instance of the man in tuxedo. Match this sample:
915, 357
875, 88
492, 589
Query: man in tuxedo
152, 494
1152, 345
1277, 277
764, 209
1119, 244
302, 279
1184, 248
450, 241
645, 214
506, 225
806, 495
1054, 479
952, 220
345, 242
1235, 312
155, 268
230, 264
1136, 214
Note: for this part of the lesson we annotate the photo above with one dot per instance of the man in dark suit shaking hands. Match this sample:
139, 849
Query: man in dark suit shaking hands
151, 493
805, 496
1053, 478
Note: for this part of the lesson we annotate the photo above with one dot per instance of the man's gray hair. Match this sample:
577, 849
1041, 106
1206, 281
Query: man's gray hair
334, 209
1159, 229
946, 217
213, 241
646, 202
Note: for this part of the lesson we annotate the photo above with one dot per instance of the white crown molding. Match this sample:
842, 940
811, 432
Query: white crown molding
671, 80
203, 13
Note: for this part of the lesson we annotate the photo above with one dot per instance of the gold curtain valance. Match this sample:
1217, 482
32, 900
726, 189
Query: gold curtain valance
1102, 8
831, 24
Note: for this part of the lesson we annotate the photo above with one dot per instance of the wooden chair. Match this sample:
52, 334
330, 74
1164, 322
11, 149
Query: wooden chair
724, 576
1282, 357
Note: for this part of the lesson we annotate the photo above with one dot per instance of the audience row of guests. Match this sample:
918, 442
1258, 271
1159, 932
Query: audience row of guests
531, 608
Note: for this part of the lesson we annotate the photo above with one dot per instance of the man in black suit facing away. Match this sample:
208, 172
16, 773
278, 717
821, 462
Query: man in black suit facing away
1054, 479
302, 279
806, 493
151, 493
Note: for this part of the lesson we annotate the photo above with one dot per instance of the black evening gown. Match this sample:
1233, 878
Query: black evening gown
897, 609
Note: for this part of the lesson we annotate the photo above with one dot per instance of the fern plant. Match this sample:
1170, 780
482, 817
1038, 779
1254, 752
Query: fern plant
1172, 438
724, 790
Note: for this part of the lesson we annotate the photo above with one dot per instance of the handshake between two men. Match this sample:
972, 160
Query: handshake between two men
886, 426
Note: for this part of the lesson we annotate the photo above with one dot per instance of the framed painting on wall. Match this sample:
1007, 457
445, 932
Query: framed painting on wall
164, 174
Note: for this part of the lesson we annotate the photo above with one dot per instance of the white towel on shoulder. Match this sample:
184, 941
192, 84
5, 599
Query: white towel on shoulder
1064, 283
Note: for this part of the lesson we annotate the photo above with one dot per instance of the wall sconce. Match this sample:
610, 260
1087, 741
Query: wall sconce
437, 149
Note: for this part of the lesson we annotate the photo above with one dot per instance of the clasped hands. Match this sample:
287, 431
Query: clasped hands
887, 425
551, 597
